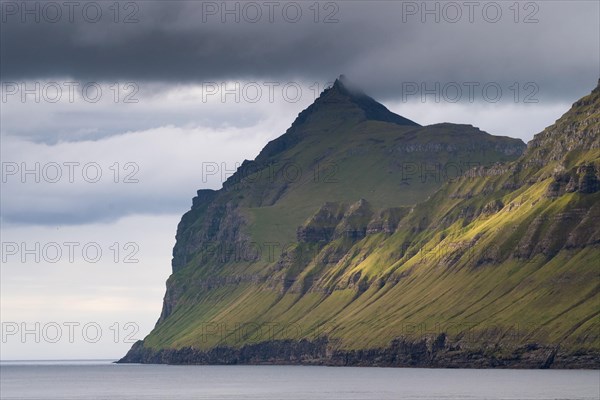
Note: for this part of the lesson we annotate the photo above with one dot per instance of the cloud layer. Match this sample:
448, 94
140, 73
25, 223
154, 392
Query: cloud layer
379, 44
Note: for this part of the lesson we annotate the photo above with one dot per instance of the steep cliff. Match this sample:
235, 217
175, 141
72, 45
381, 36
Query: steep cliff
361, 238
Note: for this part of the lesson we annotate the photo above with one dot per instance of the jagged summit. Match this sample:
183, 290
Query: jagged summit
344, 90
343, 86
344, 98
341, 81
338, 105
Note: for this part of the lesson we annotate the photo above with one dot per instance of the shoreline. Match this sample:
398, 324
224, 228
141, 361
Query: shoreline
399, 354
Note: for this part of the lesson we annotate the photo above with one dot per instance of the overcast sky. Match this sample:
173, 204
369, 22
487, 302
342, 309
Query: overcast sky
120, 110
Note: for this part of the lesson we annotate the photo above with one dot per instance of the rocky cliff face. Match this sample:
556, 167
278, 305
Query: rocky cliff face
578, 129
390, 257
435, 352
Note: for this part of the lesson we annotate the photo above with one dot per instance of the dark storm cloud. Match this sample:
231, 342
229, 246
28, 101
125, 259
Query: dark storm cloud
172, 43
381, 45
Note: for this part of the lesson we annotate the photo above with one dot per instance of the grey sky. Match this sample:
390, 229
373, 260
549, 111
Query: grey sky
379, 44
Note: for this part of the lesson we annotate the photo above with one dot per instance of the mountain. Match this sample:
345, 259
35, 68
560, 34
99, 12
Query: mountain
359, 237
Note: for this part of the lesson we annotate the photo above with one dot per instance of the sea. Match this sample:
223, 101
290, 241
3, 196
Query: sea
102, 379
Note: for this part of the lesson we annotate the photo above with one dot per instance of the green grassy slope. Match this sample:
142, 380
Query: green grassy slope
417, 231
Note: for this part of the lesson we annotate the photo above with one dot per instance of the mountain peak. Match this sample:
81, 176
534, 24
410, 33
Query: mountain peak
342, 86
340, 83
345, 92
338, 104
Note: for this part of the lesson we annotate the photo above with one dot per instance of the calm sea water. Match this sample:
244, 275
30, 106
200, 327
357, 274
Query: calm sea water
103, 380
